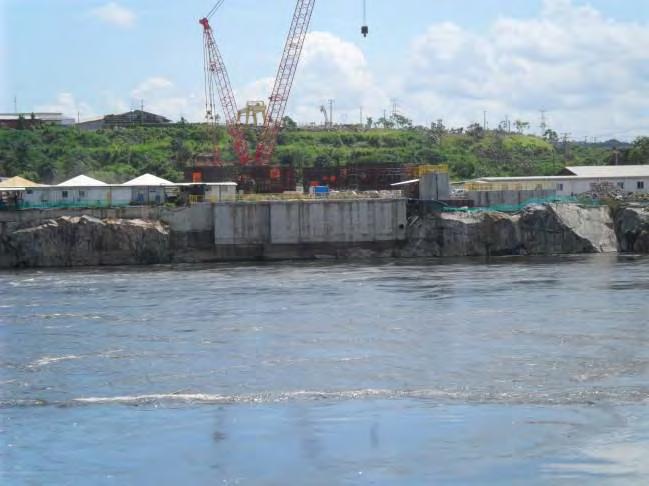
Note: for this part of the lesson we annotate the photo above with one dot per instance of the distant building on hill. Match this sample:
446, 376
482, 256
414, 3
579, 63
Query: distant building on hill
28, 120
128, 119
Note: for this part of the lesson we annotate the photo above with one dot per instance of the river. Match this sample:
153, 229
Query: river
529, 370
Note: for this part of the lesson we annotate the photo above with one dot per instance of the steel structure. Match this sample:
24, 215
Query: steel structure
284, 80
217, 79
216, 76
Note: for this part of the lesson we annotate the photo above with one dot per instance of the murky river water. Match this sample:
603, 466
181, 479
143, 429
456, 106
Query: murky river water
515, 371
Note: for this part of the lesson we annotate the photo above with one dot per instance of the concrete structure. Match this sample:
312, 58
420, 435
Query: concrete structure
434, 186
310, 222
275, 229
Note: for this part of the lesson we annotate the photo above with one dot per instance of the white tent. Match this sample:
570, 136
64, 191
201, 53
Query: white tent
82, 181
148, 180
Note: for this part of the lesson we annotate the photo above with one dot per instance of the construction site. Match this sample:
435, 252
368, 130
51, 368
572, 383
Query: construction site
251, 167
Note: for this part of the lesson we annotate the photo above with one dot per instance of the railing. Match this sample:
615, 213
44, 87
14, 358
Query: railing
337, 195
68, 205
422, 170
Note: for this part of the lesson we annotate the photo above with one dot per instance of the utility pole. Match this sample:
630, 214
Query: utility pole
565, 146
15, 104
331, 112
543, 125
484, 120
616, 153
361, 116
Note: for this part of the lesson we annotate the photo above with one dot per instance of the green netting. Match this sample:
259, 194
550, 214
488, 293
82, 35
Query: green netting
514, 208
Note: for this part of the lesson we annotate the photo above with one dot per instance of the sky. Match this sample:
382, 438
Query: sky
584, 62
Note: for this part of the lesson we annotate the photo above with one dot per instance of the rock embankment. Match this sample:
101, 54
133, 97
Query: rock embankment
549, 229
537, 230
80, 241
632, 228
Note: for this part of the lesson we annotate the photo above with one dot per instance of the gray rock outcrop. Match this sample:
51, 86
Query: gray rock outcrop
79, 241
632, 228
566, 228
537, 230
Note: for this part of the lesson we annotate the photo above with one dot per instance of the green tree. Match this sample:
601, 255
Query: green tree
288, 123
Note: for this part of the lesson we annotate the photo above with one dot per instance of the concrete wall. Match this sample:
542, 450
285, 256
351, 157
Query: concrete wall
277, 229
434, 187
511, 198
241, 223
309, 222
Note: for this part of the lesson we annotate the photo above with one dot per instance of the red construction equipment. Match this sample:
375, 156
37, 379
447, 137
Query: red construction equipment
216, 75
217, 79
284, 81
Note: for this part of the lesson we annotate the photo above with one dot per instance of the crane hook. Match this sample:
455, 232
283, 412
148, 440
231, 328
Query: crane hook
365, 29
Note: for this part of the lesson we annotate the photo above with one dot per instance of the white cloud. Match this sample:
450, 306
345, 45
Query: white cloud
67, 104
160, 96
115, 14
150, 86
590, 72
330, 68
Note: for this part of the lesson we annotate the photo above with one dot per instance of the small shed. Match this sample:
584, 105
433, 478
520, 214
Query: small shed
148, 188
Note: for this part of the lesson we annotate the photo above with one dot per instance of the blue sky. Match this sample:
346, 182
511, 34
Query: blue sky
583, 61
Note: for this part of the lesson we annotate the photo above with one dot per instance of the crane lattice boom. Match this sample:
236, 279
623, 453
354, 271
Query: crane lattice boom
216, 75
284, 80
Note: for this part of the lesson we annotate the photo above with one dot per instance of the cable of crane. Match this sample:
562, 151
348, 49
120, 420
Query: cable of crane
214, 9
365, 29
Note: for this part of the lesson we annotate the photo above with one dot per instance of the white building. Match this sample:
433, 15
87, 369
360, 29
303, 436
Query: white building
85, 192
579, 180
148, 189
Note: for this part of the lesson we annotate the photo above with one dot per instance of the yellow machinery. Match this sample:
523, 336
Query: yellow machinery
252, 109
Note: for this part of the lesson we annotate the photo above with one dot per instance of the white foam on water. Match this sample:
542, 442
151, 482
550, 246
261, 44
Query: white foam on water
48, 360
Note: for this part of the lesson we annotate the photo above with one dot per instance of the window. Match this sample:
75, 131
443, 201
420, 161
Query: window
640, 184
82, 193
559, 186
620, 185
30, 191
64, 194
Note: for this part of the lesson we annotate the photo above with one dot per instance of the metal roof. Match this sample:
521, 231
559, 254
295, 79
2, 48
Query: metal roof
18, 182
610, 170
148, 180
82, 181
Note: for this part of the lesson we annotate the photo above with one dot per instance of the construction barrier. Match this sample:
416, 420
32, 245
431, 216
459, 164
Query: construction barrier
515, 208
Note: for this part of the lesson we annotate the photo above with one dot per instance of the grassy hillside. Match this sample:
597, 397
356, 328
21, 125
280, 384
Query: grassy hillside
53, 154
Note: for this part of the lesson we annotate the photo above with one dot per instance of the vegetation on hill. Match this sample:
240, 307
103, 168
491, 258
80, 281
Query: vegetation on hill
52, 154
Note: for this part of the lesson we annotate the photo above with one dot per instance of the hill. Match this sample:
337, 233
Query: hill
52, 154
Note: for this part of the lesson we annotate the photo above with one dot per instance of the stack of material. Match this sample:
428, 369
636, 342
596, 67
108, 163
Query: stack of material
606, 190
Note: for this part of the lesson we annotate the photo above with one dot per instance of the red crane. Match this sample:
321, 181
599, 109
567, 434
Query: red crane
284, 81
216, 76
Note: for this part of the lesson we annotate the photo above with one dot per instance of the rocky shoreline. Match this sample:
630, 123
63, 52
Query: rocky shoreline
550, 229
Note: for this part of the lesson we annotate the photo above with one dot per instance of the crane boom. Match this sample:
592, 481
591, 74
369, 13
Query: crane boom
216, 75
284, 81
